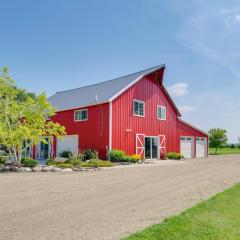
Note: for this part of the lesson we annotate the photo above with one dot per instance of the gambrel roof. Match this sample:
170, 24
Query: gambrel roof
100, 92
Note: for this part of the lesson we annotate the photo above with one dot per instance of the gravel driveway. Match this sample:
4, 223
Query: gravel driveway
107, 204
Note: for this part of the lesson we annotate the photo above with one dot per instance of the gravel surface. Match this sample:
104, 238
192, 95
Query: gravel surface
107, 204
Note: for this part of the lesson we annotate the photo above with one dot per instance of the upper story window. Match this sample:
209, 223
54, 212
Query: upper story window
81, 115
138, 108
161, 112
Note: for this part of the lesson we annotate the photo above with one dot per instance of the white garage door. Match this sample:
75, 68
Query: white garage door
201, 147
186, 146
67, 143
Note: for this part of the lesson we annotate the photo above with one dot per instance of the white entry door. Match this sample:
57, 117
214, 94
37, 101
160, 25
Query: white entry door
67, 143
186, 146
201, 147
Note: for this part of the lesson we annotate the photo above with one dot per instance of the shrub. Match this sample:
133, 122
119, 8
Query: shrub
232, 146
96, 163
3, 156
174, 155
117, 156
135, 158
88, 154
64, 165
29, 162
50, 162
66, 154
74, 161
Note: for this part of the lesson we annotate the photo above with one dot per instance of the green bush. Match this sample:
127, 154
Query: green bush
89, 154
117, 156
64, 165
3, 156
96, 163
66, 154
120, 156
29, 162
174, 155
50, 162
74, 161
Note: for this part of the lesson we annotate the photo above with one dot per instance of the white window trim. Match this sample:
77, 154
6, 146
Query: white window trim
161, 106
136, 115
80, 110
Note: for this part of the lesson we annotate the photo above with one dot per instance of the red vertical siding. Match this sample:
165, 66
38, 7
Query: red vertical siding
186, 130
93, 133
149, 91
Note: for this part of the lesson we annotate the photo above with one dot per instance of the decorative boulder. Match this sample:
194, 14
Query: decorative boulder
14, 169
27, 169
67, 170
37, 169
56, 169
47, 168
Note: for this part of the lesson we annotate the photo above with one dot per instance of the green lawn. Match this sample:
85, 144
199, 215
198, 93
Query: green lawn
215, 219
225, 151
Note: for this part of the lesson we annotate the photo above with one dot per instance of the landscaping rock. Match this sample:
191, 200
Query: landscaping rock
14, 169
7, 168
56, 169
47, 169
2, 168
26, 169
67, 170
89, 169
75, 169
37, 169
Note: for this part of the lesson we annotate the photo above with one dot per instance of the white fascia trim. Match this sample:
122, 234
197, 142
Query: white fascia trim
133, 82
110, 126
125, 88
80, 107
192, 126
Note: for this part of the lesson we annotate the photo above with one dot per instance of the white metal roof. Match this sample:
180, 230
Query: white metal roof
97, 93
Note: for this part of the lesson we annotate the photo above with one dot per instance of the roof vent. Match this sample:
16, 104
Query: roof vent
96, 98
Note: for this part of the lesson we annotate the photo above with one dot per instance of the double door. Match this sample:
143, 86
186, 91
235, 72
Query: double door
151, 147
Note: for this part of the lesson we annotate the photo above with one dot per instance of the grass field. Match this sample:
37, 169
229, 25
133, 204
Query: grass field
225, 151
215, 219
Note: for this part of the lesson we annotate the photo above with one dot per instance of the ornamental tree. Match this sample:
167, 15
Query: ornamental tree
23, 117
217, 138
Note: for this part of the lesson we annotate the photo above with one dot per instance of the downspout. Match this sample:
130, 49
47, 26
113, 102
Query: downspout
110, 129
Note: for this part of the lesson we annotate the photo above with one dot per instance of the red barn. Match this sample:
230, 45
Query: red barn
133, 113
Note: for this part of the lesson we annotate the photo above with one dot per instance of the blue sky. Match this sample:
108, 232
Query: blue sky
57, 45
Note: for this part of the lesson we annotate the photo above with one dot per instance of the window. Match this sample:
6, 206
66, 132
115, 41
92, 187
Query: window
81, 115
138, 108
161, 113
48, 118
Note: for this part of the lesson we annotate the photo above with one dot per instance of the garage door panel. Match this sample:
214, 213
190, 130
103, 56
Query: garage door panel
67, 143
201, 147
186, 146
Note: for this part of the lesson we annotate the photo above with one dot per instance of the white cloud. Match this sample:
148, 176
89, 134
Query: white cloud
186, 108
178, 89
212, 30
232, 20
